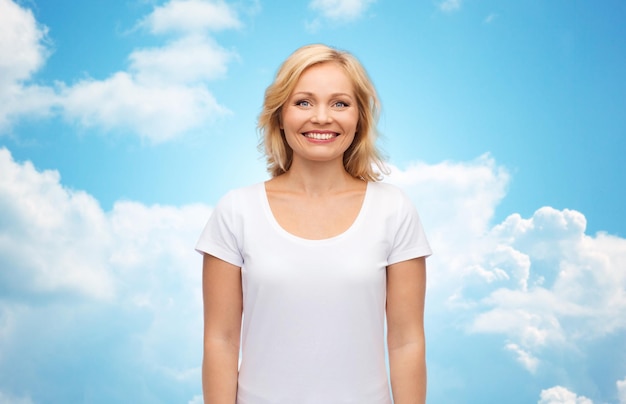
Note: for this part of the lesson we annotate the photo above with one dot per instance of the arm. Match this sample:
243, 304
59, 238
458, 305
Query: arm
406, 288
222, 294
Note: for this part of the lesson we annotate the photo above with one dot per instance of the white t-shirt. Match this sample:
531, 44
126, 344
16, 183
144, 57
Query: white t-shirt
313, 310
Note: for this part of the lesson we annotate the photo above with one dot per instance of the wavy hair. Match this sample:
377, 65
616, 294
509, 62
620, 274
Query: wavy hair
362, 159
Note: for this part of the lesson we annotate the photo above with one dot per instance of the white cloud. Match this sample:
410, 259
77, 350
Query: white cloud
561, 395
577, 281
450, 5
156, 112
191, 16
100, 282
570, 289
341, 9
190, 59
540, 282
22, 53
163, 94
43, 224
6, 398
527, 360
18, 101
56, 240
621, 390
21, 49
457, 201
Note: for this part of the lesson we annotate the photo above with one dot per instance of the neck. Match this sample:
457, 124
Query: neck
315, 178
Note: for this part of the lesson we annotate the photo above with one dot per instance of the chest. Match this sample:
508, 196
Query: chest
316, 218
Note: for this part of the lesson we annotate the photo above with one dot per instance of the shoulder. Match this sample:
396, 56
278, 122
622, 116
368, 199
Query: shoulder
241, 194
393, 201
385, 187
239, 200
385, 192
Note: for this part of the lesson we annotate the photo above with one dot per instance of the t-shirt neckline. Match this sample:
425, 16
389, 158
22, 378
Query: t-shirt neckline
274, 223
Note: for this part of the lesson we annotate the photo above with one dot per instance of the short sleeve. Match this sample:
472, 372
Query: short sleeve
222, 232
409, 238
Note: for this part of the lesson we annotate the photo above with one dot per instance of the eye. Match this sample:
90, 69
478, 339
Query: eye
341, 104
302, 103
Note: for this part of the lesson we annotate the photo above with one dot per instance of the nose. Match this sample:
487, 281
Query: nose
321, 115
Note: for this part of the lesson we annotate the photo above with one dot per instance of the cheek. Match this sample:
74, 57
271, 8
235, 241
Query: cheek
289, 121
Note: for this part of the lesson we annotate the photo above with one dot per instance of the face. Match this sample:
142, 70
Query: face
320, 117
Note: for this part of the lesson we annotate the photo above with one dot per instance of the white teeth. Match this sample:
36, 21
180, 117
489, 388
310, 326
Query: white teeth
320, 136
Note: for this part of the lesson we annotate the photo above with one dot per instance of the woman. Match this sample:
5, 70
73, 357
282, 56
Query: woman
315, 258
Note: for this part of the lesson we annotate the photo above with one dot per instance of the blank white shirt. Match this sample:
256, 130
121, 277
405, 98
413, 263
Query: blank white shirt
313, 310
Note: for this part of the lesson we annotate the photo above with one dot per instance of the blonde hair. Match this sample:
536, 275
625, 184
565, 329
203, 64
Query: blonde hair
362, 157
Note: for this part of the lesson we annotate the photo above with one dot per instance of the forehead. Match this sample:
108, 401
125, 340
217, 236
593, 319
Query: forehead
325, 76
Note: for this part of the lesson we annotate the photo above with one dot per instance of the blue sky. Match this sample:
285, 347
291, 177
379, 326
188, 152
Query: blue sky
123, 122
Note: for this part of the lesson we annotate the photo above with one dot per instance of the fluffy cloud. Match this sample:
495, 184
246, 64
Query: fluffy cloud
621, 390
43, 223
542, 283
450, 5
191, 16
22, 53
155, 111
561, 395
164, 92
21, 49
525, 358
188, 60
457, 201
10, 399
570, 289
113, 290
341, 10
54, 240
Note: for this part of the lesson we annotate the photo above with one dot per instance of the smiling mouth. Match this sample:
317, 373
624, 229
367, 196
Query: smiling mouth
320, 135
